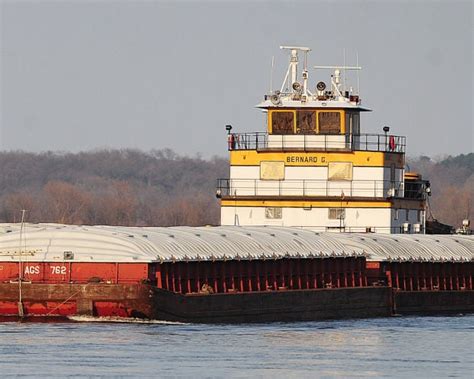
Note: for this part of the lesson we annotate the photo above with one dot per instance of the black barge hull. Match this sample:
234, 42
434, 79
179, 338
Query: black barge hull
271, 306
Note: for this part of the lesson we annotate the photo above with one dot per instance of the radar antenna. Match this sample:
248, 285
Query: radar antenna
293, 70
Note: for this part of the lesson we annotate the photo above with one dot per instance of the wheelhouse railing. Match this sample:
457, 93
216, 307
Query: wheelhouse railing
315, 142
317, 188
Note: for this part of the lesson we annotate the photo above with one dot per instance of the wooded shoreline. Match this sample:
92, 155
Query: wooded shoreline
163, 188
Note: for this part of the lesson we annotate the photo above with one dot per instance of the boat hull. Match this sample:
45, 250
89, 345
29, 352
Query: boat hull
433, 302
62, 300
271, 306
55, 301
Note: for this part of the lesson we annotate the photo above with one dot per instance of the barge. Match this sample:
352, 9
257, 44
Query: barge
319, 221
230, 273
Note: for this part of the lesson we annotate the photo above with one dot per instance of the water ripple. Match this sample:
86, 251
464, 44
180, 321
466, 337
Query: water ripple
390, 347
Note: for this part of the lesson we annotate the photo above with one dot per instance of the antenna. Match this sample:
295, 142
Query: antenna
271, 74
284, 80
293, 66
344, 61
301, 48
358, 81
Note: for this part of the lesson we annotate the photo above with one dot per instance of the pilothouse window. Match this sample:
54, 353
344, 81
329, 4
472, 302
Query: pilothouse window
306, 122
282, 122
329, 122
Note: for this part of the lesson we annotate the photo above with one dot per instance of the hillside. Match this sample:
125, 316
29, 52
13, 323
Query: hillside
452, 182
118, 187
162, 188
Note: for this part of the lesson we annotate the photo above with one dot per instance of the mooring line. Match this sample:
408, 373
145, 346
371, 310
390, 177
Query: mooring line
74, 294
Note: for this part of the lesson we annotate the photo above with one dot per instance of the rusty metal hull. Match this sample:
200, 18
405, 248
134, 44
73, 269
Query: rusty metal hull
144, 301
43, 301
62, 300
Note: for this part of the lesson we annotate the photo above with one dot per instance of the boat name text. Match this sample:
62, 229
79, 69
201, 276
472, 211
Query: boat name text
303, 159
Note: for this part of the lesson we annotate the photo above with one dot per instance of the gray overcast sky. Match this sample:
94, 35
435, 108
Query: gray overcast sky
80, 75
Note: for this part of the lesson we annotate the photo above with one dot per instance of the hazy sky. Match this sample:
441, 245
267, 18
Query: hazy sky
80, 75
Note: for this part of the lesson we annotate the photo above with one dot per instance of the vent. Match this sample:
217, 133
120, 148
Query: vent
68, 255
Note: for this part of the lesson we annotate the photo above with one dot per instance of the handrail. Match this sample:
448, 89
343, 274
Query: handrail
315, 188
315, 142
356, 229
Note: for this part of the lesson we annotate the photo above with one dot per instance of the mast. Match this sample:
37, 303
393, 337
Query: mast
20, 268
293, 69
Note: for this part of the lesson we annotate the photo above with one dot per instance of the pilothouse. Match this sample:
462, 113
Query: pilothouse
313, 168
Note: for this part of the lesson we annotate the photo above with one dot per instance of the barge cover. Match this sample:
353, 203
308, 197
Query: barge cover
50, 242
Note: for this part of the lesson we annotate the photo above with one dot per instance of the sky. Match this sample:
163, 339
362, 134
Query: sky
84, 75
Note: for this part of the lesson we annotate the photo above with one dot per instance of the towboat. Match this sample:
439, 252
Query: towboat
318, 221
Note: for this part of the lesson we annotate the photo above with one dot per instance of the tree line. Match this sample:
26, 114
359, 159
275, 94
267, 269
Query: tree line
161, 188
452, 183
110, 187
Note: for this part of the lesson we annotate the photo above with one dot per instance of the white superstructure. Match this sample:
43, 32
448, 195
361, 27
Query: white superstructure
314, 169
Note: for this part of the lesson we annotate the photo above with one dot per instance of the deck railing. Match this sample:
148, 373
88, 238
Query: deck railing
316, 142
316, 188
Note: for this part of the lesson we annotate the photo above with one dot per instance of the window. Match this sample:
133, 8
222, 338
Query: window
329, 122
396, 214
419, 215
272, 170
392, 173
356, 124
282, 122
407, 213
339, 171
337, 213
352, 123
306, 122
273, 213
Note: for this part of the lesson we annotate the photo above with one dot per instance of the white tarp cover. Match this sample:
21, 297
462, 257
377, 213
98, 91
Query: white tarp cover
50, 242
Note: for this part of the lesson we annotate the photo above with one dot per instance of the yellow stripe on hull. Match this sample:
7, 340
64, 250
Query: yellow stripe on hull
403, 204
357, 158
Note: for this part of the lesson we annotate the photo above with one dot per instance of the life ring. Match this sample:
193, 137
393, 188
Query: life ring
391, 143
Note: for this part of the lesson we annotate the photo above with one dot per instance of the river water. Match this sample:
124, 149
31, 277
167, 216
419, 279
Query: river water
423, 347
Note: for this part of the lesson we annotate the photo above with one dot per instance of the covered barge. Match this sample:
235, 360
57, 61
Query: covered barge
230, 274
